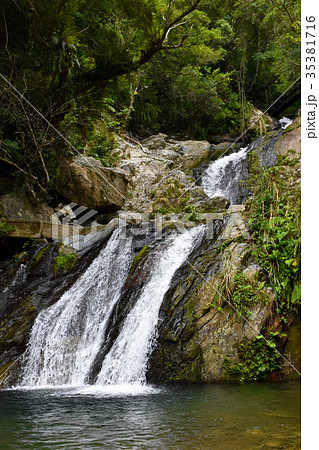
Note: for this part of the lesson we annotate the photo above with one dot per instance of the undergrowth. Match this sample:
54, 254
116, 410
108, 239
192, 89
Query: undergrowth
257, 358
275, 223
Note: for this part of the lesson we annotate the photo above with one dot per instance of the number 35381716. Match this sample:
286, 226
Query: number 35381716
310, 47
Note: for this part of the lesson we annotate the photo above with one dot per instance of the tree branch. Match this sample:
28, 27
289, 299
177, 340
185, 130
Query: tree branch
102, 74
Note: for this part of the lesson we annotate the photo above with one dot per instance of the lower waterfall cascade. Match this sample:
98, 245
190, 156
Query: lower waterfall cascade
67, 336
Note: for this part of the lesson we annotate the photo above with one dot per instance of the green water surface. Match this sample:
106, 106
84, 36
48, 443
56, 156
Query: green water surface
251, 416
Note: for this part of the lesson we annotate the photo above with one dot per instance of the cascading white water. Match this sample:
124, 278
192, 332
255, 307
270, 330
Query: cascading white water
127, 360
67, 336
224, 174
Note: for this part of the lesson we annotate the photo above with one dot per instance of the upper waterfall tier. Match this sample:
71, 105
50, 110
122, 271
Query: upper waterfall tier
222, 178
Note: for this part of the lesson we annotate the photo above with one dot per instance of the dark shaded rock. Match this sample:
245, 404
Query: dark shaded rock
218, 204
267, 151
15, 205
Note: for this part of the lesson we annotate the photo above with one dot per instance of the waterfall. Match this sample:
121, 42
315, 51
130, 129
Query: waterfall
127, 360
222, 178
67, 336
19, 277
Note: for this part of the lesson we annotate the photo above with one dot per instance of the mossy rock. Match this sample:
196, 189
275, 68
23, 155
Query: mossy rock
65, 261
14, 323
138, 258
42, 252
4, 371
293, 349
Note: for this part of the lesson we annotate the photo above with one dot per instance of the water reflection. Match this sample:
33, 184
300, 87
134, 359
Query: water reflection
196, 417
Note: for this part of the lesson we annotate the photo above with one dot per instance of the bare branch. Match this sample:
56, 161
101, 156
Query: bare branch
183, 39
175, 26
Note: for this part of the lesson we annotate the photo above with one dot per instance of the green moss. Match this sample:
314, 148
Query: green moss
4, 227
187, 372
65, 261
293, 349
218, 153
42, 252
13, 326
138, 258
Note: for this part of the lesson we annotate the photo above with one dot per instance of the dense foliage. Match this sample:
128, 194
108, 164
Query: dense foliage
275, 223
94, 67
258, 358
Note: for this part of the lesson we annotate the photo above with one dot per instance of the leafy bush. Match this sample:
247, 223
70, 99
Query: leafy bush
245, 294
257, 358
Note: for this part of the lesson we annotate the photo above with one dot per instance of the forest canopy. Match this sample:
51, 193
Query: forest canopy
191, 67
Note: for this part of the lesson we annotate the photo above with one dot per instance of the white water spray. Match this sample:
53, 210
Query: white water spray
127, 360
67, 336
222, 176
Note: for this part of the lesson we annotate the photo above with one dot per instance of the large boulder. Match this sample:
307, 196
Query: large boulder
199, 332
290, 143
195, 152
91, 184
261, 123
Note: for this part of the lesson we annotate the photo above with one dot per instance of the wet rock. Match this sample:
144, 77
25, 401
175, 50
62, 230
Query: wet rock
261, 123
199, 330
218, 204
236, 226
290, 143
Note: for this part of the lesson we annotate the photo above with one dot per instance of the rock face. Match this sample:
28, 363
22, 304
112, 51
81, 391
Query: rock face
200, 334
261, 123
195, 152
290, 143
15, 205
91, 184
199, 330
160, 175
